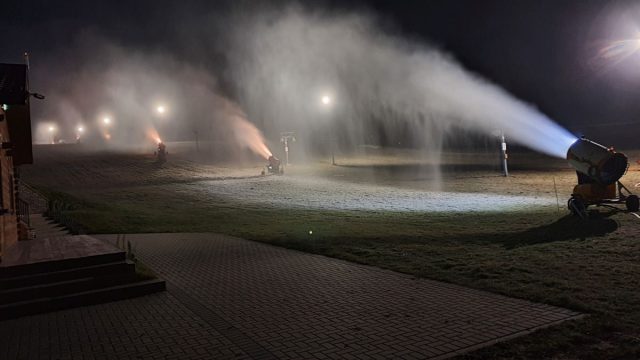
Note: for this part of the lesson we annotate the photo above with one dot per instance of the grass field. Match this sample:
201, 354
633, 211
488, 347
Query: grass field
520, 243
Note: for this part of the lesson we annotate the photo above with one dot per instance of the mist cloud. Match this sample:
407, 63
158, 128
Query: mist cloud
285, 61
127, 87
279, 63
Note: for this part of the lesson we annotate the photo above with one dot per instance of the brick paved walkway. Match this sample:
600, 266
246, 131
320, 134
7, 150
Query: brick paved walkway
232, 298
155, 326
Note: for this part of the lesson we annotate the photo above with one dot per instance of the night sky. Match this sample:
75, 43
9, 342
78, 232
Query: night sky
545, 52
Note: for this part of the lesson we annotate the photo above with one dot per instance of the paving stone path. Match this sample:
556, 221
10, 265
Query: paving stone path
156, 326
232, 298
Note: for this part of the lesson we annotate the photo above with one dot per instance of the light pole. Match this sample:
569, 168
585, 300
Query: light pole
79, 132
326, 102
285, 137
195, 133
106, 123
161, 109
52, 130
503, 148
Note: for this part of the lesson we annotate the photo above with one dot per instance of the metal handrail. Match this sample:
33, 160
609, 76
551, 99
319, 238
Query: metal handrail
56, 212
37, 201
23, 212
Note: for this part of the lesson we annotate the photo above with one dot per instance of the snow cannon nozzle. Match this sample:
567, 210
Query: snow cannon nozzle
601, 164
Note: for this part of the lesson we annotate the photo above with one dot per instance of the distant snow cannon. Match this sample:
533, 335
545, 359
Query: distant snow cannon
273, 167
161, 153
599, 170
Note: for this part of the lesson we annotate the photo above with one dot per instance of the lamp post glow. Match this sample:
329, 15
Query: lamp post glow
161, 110
79, 132
326, 101
106, 123
52, 130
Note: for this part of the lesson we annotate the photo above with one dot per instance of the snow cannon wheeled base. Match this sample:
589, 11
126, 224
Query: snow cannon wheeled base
273, 167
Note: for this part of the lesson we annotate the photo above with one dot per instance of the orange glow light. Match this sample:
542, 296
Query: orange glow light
153, 135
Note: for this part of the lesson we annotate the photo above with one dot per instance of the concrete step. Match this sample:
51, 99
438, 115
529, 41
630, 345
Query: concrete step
112, 268
57, 271
44, 228
43, 290
62, 264
95, 296
62, 288
39, 218
50, 234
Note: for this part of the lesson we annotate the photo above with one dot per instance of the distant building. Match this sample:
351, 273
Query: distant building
15, 150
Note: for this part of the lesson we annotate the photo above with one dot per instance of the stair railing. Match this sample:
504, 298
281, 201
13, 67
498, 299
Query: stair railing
23, 212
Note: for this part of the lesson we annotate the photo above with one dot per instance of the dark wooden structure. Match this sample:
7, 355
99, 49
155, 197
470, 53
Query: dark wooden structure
15, 150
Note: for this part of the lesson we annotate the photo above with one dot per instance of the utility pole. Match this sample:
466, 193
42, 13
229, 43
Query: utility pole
333, 150
285, 137
327, 103
195, 132
504, 153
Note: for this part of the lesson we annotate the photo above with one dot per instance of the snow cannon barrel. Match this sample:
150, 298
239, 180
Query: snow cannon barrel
600, 164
